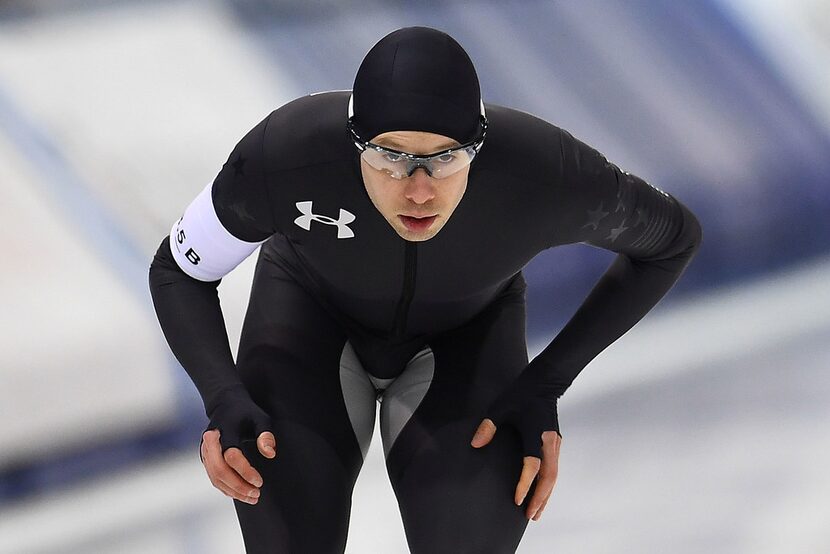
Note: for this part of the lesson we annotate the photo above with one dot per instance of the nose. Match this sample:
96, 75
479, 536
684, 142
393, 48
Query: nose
419, 187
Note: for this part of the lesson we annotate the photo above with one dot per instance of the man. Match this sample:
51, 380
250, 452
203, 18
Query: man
395, 221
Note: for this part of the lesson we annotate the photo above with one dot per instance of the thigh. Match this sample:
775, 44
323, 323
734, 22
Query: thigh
295, 361
454, 498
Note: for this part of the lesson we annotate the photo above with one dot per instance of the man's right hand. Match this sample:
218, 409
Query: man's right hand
235, 418
231, 472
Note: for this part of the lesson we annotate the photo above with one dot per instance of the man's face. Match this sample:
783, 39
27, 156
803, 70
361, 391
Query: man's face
418, 206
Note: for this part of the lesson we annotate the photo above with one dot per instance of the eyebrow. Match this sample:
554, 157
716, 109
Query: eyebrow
392, 143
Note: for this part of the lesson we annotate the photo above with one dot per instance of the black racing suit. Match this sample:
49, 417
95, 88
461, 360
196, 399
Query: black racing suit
339, 295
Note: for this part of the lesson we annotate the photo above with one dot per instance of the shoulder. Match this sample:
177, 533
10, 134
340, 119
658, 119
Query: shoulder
310, 130
521, 144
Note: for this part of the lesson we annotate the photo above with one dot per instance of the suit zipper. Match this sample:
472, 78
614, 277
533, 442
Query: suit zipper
408, 291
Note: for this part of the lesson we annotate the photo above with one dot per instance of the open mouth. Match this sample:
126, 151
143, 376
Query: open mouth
417, 223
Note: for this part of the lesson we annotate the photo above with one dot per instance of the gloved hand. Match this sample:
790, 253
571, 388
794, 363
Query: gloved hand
234, 419
528, 405
238, 418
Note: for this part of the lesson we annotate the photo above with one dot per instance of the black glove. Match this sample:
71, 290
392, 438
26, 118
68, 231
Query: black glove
238, 418
528, 405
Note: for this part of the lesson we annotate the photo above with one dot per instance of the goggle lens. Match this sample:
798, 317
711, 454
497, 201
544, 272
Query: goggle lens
399, 165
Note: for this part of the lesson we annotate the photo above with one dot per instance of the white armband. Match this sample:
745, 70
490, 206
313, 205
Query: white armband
202, 246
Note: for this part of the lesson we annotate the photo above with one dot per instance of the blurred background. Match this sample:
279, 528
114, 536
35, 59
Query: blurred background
703, 429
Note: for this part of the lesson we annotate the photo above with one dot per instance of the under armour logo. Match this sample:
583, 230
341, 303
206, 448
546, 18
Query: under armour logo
304, 221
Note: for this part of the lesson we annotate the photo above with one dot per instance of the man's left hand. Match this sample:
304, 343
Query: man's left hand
545, 468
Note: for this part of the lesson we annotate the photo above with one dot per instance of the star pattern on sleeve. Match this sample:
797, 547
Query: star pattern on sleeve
239, 166
616, 231
595, 216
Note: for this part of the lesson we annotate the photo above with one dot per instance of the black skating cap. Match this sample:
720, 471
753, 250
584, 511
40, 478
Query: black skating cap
417, 79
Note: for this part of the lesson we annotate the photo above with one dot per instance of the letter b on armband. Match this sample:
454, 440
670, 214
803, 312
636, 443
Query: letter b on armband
192, 256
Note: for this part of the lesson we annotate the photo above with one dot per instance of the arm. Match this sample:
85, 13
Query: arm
656, 238
655, 235
226, 222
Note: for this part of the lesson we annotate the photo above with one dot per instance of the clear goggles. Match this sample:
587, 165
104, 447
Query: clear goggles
438, 165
